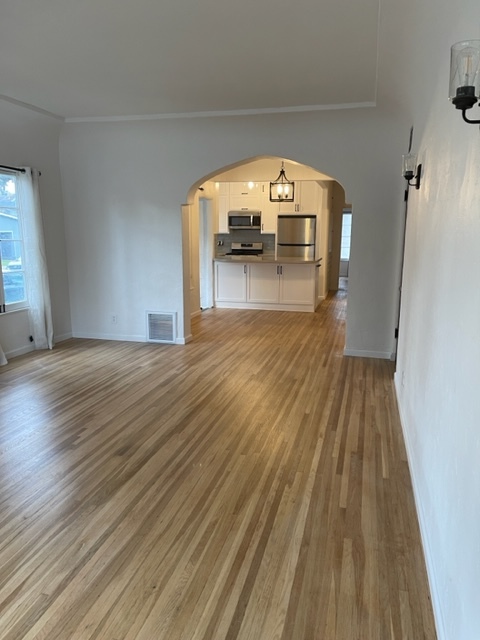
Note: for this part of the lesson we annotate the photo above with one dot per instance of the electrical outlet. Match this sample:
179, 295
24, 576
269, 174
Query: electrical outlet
114, 319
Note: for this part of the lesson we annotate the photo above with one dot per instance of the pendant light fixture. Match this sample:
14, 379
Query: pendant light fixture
282, 189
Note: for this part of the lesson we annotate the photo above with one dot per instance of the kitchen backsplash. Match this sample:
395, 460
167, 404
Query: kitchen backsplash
237, 235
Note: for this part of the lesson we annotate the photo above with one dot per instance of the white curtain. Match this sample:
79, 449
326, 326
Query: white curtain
40, 310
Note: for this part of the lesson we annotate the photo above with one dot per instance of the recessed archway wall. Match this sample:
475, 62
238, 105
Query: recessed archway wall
359, 152
123, 183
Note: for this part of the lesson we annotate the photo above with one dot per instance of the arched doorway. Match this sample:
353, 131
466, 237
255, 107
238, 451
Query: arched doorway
206, 212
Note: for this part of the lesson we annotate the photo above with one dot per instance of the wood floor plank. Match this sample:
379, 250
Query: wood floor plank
251, 485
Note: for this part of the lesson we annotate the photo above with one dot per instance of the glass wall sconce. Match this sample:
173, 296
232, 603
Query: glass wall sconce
465, 76
410, 170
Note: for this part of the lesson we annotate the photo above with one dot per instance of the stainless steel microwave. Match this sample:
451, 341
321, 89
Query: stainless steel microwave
245, 219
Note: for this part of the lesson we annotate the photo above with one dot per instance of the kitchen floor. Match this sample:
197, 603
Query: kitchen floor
252, 484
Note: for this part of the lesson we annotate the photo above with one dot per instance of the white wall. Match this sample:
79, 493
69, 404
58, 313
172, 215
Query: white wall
124, 183
438, 369
267, 169
28, 138
208, 193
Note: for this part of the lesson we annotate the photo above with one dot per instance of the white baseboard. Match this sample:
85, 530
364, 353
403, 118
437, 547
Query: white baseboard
62, 337
360, 353
14, 353
109, 336
431, 576
20, 351
124, 338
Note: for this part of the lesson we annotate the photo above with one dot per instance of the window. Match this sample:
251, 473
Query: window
13, 293
346, 233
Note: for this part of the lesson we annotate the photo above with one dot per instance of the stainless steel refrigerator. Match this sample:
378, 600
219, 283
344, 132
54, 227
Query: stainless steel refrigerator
296, 236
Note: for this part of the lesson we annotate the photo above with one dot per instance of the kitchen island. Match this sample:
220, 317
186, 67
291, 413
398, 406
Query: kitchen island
265, 282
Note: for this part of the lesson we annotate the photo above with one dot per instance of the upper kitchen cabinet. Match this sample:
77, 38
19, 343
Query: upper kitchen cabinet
245, 189
245, 196
223, 207
307, 198
269, 210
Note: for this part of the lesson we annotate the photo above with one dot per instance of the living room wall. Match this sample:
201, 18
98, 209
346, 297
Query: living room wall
30, 138
125, 182
438, 364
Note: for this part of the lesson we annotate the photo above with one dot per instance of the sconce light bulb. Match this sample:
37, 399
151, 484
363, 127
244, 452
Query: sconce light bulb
409, 165
468, 66
465, 74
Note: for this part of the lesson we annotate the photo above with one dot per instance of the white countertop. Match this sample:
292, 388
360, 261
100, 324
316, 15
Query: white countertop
267, 258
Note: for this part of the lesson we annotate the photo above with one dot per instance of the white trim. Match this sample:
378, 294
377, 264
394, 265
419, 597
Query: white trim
360, 353
431, 576
217, 114
20, 351
32, 107
124, 338
109, 336
62, 337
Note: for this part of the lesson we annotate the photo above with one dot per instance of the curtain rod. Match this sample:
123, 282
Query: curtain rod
3, 166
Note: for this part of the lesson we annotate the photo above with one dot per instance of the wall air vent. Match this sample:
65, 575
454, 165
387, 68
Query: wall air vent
161, 326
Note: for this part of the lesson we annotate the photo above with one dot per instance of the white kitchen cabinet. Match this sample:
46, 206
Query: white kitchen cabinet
223, 207
306, 198
297, 284
265, 285
222, 214
309, 197
269, 210
244, 203
281, 283
230, 282
262, 282
246, 189
245, 196
289, 207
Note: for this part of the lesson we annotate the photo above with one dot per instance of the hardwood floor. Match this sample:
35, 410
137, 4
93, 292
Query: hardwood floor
250, 485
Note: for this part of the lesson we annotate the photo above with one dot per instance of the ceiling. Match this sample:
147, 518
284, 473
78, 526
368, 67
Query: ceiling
107, 58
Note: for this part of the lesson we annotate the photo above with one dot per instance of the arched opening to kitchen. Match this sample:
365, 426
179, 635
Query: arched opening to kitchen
246, 250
